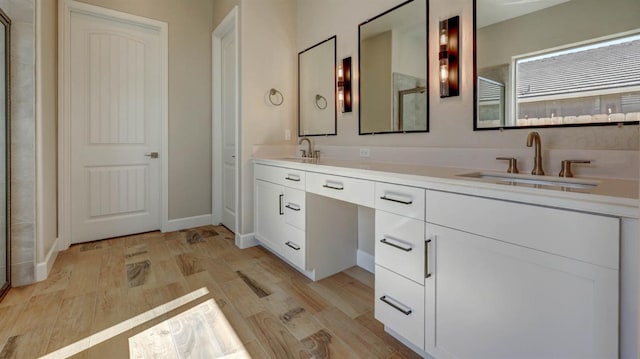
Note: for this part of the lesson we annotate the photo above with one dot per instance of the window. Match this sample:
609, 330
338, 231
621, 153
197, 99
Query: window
594, 83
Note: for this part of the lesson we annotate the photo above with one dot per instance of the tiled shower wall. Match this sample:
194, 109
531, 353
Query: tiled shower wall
22, 15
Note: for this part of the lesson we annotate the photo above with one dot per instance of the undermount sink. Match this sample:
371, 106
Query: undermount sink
505, 178
299, 159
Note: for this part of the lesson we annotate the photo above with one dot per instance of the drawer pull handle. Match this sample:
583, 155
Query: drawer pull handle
387, 300
333, 187
293, 246
386, 241
291, 207
396, 200
294, 179
281, 212
426, 258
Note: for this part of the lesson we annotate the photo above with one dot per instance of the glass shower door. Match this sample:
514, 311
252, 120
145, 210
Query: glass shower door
5, 248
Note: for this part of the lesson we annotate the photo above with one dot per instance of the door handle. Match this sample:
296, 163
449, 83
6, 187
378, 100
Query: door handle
152, 154
390, 301
427, 274
386, 241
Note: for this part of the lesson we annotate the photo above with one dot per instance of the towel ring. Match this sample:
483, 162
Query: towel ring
319, 102
273, 92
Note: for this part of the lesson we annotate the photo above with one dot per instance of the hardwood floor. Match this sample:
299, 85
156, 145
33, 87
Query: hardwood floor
191, 292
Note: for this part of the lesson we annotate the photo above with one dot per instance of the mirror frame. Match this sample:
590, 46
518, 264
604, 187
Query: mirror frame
475, 97
6, 21
360, 133
335, 88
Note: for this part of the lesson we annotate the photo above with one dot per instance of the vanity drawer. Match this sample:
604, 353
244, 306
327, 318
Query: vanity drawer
399, 305
403, 200
294, 207
293, 247
280, 175
586, 237
400, 245
343, 188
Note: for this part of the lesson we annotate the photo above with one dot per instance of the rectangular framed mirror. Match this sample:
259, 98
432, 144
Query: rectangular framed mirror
317, 88
393, 68
558, 63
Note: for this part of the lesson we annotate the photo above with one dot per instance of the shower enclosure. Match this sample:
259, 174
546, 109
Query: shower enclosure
5, 110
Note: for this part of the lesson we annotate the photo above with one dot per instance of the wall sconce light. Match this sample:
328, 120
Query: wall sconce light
449, 40
344, 85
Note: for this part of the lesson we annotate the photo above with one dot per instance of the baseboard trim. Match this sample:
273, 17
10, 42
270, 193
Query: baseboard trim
246, 240
410, 345
188, 222
44, 268
366, 261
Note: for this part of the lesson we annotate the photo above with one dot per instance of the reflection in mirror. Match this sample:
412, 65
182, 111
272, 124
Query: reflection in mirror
547, 63
394, 94
317, 89
5, 277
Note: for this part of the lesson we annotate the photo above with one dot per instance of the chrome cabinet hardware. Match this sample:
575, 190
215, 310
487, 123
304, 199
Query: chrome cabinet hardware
396, 200
293, 246
152, 154
565, 168
426, 259
280, 203
386, 241
513, 164
293, 207
328, 185
388, 300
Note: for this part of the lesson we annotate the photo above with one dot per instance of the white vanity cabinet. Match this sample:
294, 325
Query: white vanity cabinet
280, 212
458, 275
399, 259
512, 280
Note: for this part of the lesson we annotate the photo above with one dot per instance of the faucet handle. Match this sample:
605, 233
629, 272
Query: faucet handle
316, 154
565, 168
304, 153
513, 164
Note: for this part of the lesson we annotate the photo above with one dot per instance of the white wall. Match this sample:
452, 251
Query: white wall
451, 119
46, 128
268, 60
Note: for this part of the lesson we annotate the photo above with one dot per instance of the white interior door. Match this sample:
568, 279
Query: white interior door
229, 115
225, 121
115, 119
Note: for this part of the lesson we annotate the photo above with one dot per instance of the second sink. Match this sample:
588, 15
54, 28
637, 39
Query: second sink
533, 180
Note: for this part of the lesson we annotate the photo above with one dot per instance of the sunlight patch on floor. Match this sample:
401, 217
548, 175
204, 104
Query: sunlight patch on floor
200, 332
104, 335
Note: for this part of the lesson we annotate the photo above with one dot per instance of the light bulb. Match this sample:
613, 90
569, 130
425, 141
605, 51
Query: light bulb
444, 72
444, 38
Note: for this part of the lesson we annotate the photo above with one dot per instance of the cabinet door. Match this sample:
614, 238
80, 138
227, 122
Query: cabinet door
269, 213
491, 299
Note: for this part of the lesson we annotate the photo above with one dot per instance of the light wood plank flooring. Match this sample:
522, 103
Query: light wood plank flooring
105, 297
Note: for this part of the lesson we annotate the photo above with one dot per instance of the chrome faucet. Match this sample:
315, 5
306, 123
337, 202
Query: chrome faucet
309, 152
534, 138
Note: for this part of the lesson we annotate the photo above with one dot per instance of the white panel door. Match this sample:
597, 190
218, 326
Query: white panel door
115, 116
229, 86
491, 299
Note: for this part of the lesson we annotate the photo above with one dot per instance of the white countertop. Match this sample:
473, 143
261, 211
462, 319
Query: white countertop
610, 197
